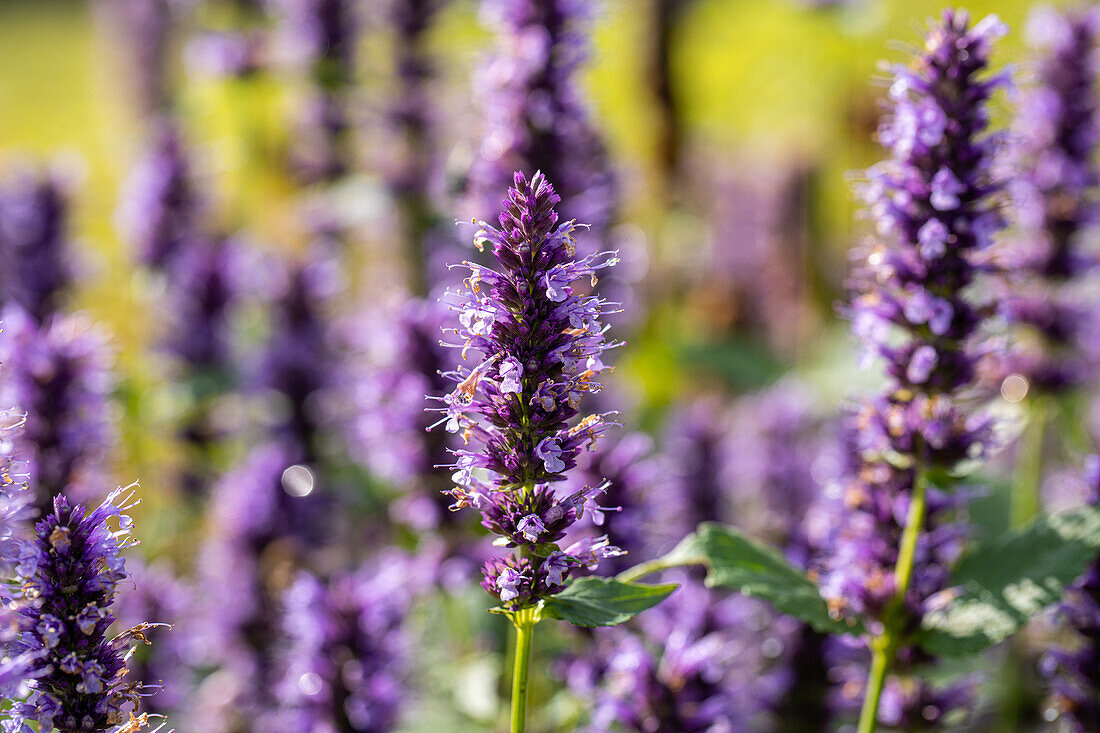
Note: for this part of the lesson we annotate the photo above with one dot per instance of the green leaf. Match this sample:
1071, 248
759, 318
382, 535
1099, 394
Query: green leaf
1009, 579
756, 570
595, 601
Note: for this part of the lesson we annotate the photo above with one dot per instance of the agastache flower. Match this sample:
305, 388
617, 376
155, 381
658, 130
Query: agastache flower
1056, 195
537, 118
519, 443
264, 508
347, 653
298, 363
145, 28
939, 174
159, 209
34, 236
694, 665
393, 360
60, 373
320, 35
69, 576
411, 117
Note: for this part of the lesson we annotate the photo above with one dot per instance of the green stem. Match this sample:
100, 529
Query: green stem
524, 621
884, 647
876, 680
1028, 477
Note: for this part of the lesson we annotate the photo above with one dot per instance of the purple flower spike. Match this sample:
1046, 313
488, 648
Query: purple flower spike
266, 517
537, 116
935, 203
319, 36
298, 363
347, 654
69, 576
536, 343
694, 666
60, 373
160, 210
34, 239
1056, 197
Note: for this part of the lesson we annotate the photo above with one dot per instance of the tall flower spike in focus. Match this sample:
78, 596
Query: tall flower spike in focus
69, 575
935, 202
1056, 200
536, 343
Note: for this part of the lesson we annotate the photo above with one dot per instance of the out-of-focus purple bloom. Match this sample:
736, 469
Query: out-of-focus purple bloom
536, 116
411, 119
34, 239
319, 36
634, 473
160, 208
539, 344
228, 53
69, 574
394, 360
1074, 670
698, 444
206, 283
695, 666
1056, 201
163, 669
935, 203
749, 275
298, 362
144, 28
60, 373
347, 654
266, 517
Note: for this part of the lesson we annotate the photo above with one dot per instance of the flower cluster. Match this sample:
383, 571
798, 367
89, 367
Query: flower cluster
935, 204
536, 116
207, 281
164, 668
346, 654
410, 173
539, 341
266, 516
34, 240
695, 667
146, 28
1074, 671
159, 210
396, 359
1056, 200
69, 576
60, 373
298, 363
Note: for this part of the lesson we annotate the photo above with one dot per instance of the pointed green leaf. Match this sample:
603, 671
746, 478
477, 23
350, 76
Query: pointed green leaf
596, 601
1009, 579
754, 569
